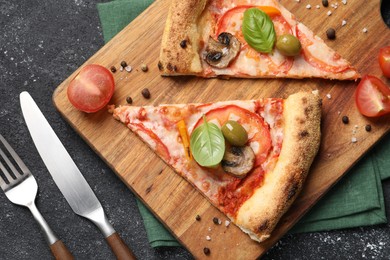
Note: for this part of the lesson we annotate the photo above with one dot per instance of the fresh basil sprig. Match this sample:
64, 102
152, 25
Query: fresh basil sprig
258, 30
207, 144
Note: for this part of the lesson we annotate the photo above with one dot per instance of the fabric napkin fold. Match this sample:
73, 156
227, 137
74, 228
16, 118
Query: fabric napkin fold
355, 201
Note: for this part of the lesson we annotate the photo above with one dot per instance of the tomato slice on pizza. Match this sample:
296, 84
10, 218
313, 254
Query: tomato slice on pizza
248, 158
246, 39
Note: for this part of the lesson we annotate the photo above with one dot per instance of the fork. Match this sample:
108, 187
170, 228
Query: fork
21, 189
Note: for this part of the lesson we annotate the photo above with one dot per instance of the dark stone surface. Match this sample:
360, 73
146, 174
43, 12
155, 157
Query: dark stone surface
41, 43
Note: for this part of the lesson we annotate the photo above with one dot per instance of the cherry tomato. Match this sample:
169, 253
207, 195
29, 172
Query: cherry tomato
91, 89
384, 60
372, 97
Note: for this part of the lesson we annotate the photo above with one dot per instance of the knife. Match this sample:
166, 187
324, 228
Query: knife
68, 177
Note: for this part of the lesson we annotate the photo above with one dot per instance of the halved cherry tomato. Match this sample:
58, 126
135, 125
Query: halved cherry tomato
372, 97
258, 133
91, 89
384, 60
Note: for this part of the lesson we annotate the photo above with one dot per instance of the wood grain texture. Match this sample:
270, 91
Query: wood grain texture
174, 201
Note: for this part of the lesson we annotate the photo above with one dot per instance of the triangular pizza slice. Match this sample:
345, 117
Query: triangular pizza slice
248, 158
245, 39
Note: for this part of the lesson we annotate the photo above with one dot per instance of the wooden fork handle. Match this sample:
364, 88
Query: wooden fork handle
60, 251
120, 249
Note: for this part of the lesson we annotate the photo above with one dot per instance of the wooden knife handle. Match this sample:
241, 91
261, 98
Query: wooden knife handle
60, 251
120, 249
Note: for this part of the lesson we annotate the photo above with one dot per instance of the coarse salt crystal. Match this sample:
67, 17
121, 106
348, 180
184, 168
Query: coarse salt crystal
308, 6
128, 68
297, 1
344, 2
329, 13
318, 6
208, 238
365, 30
344, 22
328, 96
227, 223
353, 140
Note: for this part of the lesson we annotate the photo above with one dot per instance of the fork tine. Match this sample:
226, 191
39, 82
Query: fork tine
16, 157
5, 172
3, 184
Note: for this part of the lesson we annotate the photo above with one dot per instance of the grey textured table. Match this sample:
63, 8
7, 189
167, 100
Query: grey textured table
41, 43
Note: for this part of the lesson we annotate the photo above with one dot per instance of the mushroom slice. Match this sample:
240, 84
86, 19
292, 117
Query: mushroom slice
238, 160
220, 53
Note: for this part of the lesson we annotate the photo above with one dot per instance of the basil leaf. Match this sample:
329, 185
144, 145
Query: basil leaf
207, 144
258, 30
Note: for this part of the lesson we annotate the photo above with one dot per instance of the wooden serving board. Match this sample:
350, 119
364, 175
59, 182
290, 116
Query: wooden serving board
172, 199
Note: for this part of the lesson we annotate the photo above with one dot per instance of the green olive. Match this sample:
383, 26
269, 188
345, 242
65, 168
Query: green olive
288, 45
234, 133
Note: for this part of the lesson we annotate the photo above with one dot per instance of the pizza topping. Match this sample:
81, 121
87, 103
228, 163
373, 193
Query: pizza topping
220, 53
238, 160
181, 126
207, 144
258, 30
234, 133
288, 45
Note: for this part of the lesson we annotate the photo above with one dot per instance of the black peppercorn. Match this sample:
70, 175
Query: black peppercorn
368, 128
145, 93
325, 3
331, 34
197, 218
216, 220
345, 119
129, 100
123, 64
206, 251
113, 69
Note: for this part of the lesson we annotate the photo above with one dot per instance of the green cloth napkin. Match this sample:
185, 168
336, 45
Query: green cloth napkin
356, 200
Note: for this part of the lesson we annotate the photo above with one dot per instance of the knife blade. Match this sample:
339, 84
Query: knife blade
67, 176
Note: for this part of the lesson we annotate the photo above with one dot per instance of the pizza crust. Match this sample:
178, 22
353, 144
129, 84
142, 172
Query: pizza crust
180, 45
259, 215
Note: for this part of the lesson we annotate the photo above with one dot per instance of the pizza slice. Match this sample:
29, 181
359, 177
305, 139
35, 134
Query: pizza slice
248, 158
245, 39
